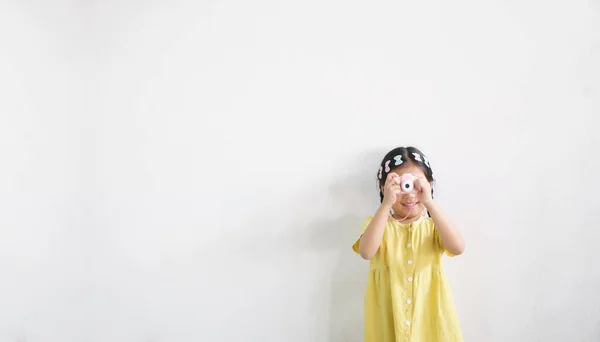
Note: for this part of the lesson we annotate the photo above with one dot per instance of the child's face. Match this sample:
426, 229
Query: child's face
408, 202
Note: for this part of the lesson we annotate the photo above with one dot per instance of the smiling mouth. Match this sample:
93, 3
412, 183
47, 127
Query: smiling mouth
410, 205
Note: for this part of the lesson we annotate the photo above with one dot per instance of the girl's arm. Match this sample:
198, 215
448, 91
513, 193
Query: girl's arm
371, 238
451, 238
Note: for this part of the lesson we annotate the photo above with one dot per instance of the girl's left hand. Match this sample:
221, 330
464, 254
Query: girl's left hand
423, 188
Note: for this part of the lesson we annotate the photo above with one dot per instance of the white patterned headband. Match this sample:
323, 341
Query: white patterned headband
399, 161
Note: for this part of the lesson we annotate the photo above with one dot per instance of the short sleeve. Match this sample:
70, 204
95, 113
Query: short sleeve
438, 241
362, 230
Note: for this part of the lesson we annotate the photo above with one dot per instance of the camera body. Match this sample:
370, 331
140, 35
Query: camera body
407, 183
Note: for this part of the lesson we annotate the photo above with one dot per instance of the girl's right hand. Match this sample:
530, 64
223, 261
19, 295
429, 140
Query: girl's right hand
391, 189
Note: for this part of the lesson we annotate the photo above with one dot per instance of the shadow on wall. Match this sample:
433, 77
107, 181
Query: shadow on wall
326, 223
345, 283
354, 198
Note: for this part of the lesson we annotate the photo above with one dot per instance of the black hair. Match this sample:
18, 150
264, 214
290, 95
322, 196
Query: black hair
403, 155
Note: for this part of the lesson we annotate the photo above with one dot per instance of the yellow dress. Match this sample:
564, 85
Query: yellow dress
408, 298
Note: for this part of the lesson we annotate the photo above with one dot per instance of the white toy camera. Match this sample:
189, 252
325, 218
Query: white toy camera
407, 183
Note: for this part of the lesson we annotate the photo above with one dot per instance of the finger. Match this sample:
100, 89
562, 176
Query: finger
392, 175
392, 181
394, 186
418, 184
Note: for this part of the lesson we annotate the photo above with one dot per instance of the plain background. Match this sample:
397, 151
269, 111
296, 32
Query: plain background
198, 171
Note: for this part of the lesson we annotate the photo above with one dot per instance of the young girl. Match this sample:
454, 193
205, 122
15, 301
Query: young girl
408, 297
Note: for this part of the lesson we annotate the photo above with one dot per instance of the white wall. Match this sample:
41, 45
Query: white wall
44, 158
208, 181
